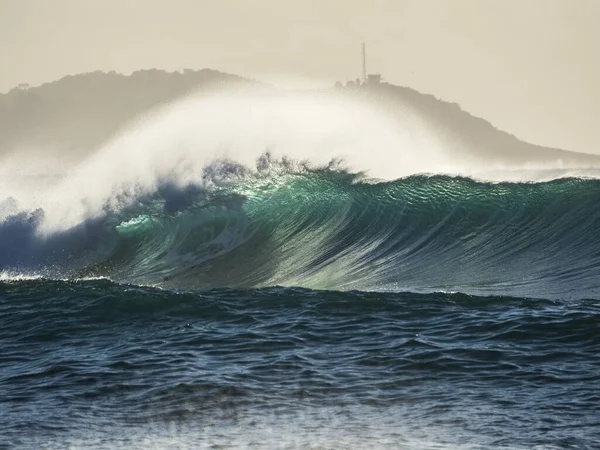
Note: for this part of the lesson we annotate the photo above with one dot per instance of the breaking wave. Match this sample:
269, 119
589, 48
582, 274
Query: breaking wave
196, 198
328, 228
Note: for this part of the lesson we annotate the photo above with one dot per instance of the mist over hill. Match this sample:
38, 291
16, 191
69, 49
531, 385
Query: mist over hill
468, 136
78, 113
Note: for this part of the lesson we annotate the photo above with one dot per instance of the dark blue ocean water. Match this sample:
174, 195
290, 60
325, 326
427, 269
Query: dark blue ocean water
427, 312
94, 364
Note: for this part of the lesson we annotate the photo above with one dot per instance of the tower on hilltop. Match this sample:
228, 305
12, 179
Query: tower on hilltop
364, 67
373, 78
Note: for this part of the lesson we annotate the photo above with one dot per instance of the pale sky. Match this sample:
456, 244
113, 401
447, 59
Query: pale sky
531, 67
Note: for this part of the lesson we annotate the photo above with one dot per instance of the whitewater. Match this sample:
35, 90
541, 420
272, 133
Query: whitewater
291, 270
323, 191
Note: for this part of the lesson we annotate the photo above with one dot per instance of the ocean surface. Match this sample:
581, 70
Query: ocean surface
306, 308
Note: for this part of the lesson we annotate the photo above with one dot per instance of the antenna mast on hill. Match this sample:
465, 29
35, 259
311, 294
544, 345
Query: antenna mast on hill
364, 56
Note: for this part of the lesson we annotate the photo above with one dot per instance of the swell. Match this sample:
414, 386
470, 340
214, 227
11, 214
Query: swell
330, 229
96, 357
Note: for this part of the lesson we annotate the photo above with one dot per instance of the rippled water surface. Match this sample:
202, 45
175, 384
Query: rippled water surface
94, 364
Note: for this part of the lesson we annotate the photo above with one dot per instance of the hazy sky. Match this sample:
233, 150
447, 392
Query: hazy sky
531, 67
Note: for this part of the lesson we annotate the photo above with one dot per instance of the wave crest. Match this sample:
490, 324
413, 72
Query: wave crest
289, 223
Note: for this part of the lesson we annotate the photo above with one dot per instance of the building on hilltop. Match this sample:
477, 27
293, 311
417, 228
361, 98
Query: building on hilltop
373, 78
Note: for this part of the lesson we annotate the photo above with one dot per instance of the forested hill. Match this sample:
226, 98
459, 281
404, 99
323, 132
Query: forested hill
469, 136
76, 114
79, 112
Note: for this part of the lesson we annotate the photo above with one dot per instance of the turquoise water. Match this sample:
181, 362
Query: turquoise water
308, 309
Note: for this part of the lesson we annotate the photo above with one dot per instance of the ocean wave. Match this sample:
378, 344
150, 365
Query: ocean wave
293, 224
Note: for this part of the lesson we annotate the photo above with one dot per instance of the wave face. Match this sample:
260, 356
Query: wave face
327, 228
